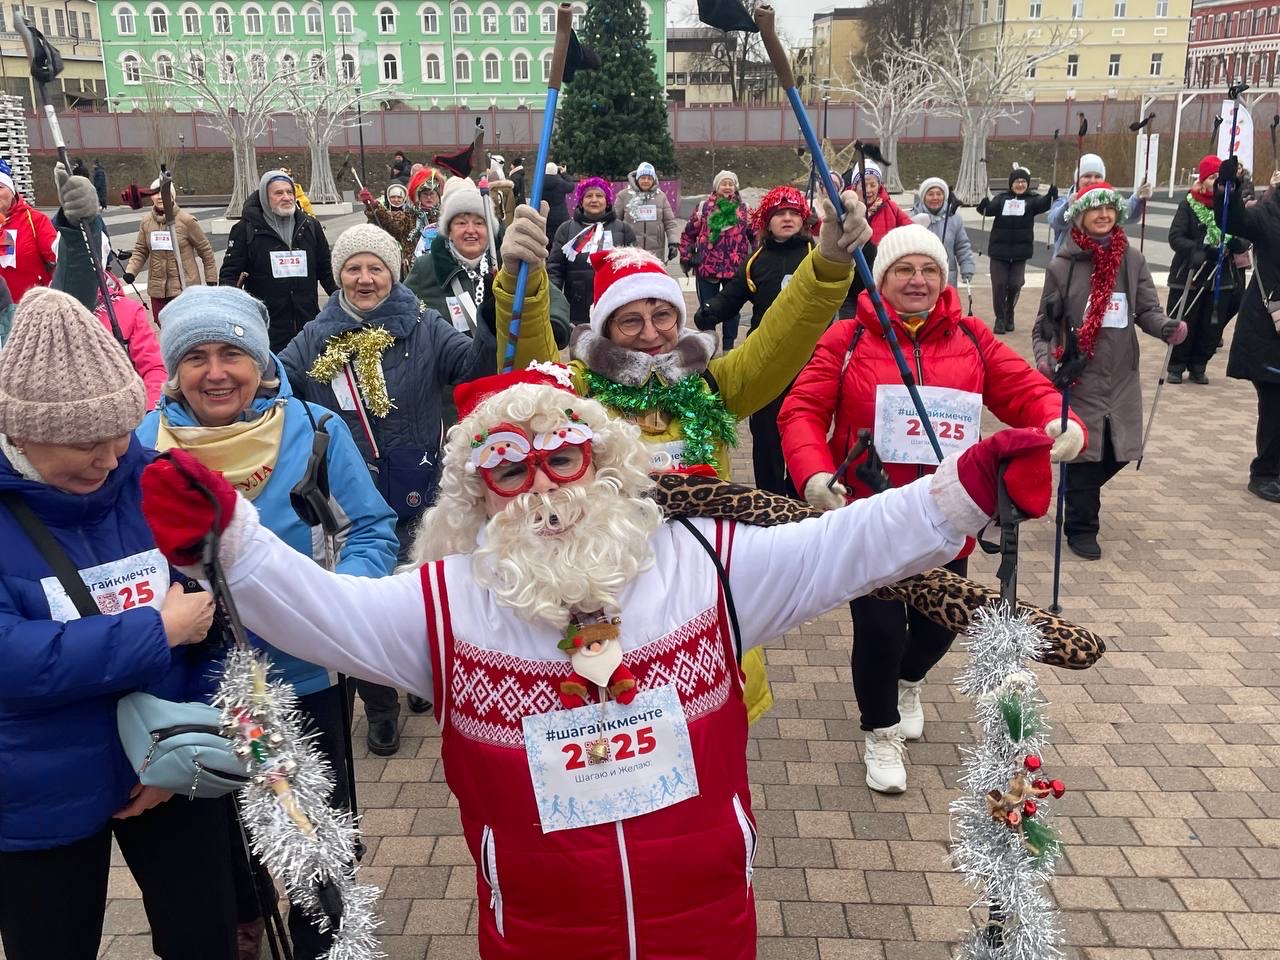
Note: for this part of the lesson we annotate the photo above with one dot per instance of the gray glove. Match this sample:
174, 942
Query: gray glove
526, 240
76, 196
836, 242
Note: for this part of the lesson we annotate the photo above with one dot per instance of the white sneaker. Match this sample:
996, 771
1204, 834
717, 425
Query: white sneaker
883, 756
910, 713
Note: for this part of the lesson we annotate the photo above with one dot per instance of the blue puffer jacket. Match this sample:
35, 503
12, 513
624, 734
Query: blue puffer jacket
428, 356
367, 544
63, 772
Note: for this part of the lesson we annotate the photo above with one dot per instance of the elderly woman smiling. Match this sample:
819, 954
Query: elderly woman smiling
229, 404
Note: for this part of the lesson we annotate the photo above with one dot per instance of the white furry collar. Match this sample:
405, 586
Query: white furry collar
631, 368
18, 460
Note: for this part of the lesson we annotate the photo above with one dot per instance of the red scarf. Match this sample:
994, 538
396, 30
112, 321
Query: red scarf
1102, 283
1204, 196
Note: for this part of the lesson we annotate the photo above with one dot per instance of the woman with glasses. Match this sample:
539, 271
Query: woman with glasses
637, 357
853, 382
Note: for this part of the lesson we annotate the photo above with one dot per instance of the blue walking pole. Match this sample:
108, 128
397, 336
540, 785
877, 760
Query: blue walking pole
564, 25
782, 67
1234, 93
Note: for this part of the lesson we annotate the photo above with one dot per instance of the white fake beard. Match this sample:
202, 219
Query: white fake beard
541, 573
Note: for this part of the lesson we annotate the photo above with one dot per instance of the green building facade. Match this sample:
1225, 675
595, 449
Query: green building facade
439, 53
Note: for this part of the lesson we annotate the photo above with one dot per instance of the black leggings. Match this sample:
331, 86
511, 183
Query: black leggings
52, 902
892, 642
1007, 279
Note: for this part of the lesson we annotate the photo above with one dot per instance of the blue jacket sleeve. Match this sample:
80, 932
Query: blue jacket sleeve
1133, 209
369, 548
1058, 213
52, 663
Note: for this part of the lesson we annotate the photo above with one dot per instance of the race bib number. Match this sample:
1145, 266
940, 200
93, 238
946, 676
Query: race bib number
343, 390
456, 315
956, 416
288, 263
606, 242
9, 248
646, 213
161, 240
137, 581
589, 768
1117, 315
1014, 208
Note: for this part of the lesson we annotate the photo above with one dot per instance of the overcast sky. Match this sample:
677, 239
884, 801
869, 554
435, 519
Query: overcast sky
795, 17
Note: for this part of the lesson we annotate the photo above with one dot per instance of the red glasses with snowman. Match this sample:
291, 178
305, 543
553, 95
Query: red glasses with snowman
508, 458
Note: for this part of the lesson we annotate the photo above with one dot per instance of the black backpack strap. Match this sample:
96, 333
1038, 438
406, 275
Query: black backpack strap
724, 583
52, 552
708, 376
973, 338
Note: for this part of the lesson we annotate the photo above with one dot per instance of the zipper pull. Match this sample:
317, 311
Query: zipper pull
146, 762
493, 899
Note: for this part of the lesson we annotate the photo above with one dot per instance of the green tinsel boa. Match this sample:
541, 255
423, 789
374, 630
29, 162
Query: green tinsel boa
1213, 233
726, 216
702, 414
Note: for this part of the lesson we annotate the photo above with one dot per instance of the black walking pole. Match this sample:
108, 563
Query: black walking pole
1146, 165
1048, 244
1068, 371
1275, 122
46, 64
1080, 134
1233, 93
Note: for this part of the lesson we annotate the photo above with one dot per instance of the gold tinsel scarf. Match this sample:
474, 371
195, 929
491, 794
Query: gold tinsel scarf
363, 349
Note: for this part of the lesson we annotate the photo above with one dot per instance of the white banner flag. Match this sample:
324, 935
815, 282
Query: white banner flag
1243, 135
1148, 149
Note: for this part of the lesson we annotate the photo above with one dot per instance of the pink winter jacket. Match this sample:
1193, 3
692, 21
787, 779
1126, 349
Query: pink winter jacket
144, 346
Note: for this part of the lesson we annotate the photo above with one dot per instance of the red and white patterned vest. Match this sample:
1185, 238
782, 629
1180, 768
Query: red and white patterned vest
670, 885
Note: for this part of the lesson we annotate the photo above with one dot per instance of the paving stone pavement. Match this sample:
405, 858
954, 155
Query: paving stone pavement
1170, 747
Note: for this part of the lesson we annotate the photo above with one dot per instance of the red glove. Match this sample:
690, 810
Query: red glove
178, 513
366, 196
1028, 476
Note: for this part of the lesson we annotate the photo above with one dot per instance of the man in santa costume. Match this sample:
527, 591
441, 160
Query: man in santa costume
582, 653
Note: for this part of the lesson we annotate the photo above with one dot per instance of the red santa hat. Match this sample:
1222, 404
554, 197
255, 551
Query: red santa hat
627, 274
775, 201
468, 396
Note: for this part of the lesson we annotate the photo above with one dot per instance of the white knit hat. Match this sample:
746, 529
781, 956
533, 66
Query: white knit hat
627, 274
873, 168
903, 242
460, 196
928, 183
1091, 163
724, 175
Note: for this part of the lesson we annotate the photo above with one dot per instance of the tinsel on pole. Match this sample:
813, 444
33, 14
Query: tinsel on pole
1003, 841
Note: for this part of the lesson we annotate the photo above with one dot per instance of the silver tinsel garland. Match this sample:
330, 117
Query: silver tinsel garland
298, 837
991, 855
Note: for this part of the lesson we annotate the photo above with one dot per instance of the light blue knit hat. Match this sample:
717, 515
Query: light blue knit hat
214, 315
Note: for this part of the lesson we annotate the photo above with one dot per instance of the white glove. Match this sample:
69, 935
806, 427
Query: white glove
1144, 190
525, 240
921, 219
817, 494
1275, 178
1068, 443
836, 242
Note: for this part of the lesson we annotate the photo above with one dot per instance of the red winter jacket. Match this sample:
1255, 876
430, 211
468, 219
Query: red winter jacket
944, 355
886, 217
31, 246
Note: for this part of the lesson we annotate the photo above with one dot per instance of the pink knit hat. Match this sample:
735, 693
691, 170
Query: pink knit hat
589, 183
63, 378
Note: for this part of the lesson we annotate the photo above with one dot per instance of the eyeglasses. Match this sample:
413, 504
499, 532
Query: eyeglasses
508, 459
563, 465
904, 272
664, 321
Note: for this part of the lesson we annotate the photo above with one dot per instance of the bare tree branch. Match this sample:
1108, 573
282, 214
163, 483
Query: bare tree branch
321, 119
979, 84
894, 90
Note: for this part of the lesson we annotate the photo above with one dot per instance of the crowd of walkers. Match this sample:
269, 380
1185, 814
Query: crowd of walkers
239, 367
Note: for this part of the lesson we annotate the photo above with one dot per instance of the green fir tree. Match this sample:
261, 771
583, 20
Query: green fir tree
613, 118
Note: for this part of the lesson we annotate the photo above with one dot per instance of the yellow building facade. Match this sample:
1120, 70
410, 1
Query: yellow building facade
72, 27
1124, 49
838, 35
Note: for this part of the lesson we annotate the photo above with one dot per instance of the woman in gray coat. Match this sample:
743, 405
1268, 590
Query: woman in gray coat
644, 206
935, 211
1097, 292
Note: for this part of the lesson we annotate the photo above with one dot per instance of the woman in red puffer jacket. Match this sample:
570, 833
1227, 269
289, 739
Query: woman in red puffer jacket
854, 381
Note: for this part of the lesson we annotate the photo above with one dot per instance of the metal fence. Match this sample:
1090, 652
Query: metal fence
700, 126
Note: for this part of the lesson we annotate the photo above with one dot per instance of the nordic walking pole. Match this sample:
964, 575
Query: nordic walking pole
490, 221
1233, 93
1146, 165
171, 221
782, 67
564, 26
1048, 242
1056, 607
986, 187
1275, 122
1168, 356
46, 64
